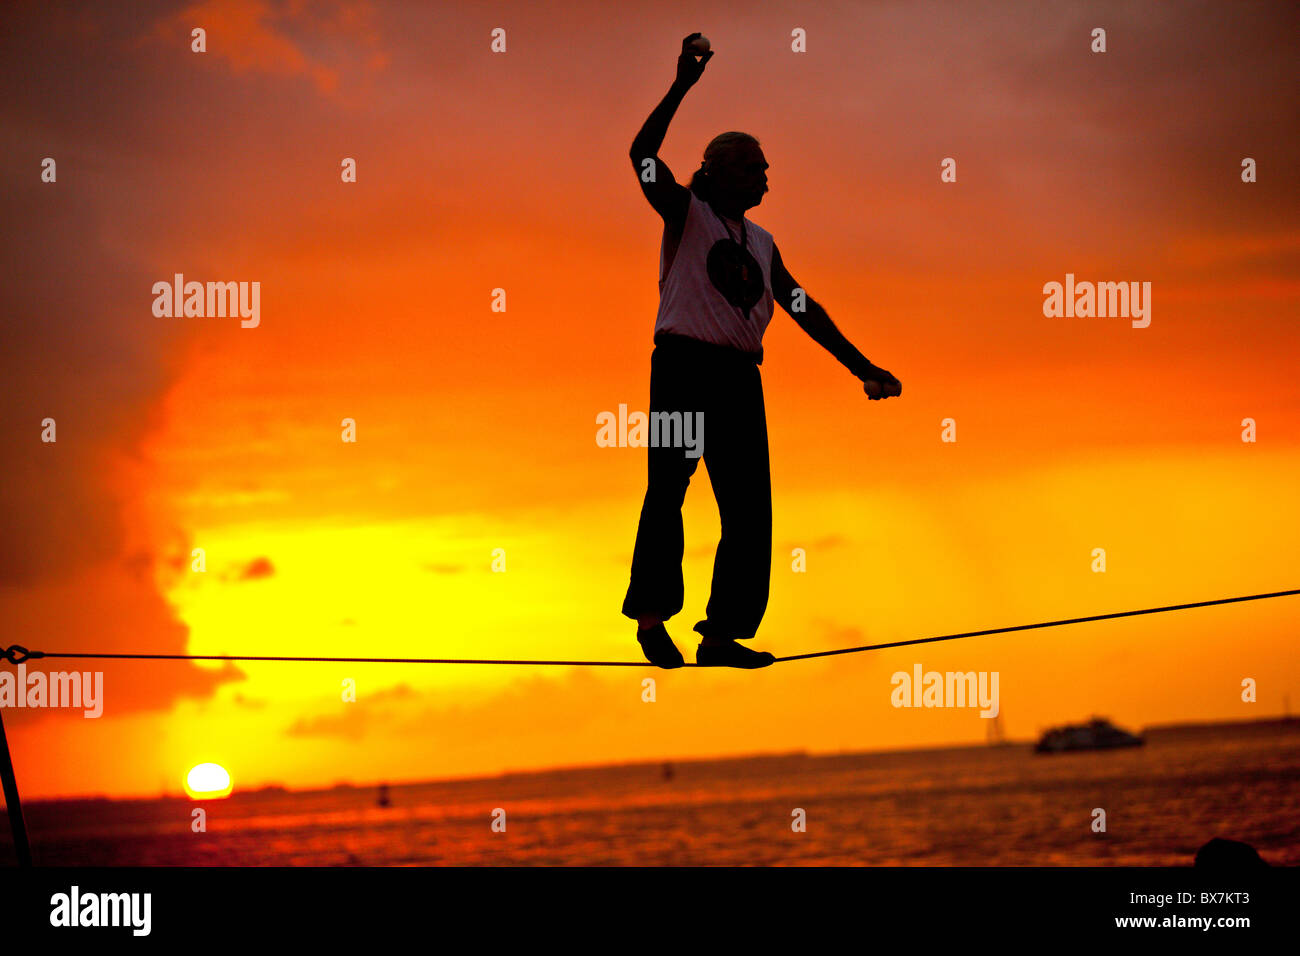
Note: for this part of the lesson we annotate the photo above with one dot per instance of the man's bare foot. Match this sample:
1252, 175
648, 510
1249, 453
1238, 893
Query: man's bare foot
714, 652
658, 647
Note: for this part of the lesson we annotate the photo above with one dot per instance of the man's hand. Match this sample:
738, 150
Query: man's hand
690, 69
881, 384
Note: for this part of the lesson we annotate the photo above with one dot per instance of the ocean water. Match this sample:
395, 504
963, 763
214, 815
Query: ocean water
972, 806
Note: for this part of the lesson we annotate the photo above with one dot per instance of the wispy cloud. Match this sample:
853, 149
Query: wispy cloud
324, 42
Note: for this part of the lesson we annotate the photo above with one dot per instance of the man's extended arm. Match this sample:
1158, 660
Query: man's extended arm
812, 318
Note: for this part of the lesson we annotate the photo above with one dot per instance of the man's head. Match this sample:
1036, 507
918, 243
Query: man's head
733, 175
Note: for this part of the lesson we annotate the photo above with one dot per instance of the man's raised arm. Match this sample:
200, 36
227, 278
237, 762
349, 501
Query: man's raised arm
668, 197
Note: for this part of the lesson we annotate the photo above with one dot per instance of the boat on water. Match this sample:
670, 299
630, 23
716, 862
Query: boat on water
1096, 734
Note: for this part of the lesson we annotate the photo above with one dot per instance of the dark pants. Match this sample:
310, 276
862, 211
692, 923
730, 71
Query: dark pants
689, 376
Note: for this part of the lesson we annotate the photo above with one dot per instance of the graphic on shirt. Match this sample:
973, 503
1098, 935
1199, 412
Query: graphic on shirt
710, 290
735, 274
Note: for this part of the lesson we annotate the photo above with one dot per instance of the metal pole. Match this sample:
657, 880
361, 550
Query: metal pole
13, 806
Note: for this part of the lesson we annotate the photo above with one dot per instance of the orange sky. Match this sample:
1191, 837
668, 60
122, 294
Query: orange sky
476, 428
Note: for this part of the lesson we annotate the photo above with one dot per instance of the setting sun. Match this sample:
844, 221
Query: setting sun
208, 781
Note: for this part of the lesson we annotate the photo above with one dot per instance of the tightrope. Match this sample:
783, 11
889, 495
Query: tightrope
17, 654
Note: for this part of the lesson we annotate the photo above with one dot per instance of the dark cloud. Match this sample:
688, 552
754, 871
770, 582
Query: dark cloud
110, 95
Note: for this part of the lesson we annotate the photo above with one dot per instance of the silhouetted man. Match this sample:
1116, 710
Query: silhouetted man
719, 275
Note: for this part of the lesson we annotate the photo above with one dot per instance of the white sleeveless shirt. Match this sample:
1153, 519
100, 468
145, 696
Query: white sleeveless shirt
690, 304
